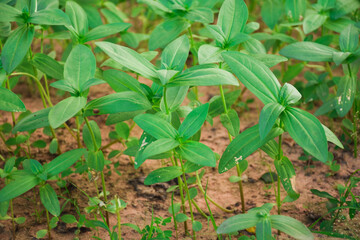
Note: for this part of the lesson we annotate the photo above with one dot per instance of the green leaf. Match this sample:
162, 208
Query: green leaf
16, 47
323, 194
200, 14
238, 222
291, 227
65, 110
156, 126
268, 116
174, 97
197, 153
269, 60
69, 219
304, 51
120, 102
121, 82
49, 199
95, 160
217, 106
10, 102
232, 18
175, 54
106, 30
254, 75
313, 21
41, 233
50, 17
129, 59
39, 144
164, 174
166, 32
21, 185
295, 9
271, 11
196, 226
331, 137
263, 228
231, 122
243, 145
63, 162
193, 121
80, 66
48, 65
155, 148
349, 38
203, 77
210, 54
289, 95
9, 13
33, 121
345, 95
54, 145
20, 220
307, 131
286, 172
88, 138
77, 17
343, 7
181, 218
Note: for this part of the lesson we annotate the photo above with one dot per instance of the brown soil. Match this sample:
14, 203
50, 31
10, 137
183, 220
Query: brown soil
141, 199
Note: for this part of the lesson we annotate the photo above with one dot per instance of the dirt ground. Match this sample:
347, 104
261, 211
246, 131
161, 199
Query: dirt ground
141, 199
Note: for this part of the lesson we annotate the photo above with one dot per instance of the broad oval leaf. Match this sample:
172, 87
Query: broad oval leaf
65, 110
231, 122
203, 77
197, 153
96, 160
155, 148
88, 138
9, 13
49, 199
286, 172
289, 95
175, 54
193, 121
349, 38
307, 131
16, 47
271, 11
295, 9
80, 66
33, 121
120, 102
238, 222
77, 17
313, 21
232, 18
129, 59
164, 174
21, 185
345, 95
156, 126
291, 227
243, 145
63, 162
121, 82
48, 65
106, 30
166, 32
50, 17
254, 75
304, 51
10, 102
268, 116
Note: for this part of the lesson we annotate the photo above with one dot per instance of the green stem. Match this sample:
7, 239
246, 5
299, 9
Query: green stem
188, 196
48, 224
12, 114
118, 217
165, 101
181, 189
12, 219
328, 68
198, 180
278, 198
102, 172
199, 209
355, 120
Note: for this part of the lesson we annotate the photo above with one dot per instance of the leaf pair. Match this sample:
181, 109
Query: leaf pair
264, 222
173, 60
167, 138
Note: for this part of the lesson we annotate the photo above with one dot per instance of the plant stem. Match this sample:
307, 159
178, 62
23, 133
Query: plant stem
165, 101
12, 113
12, 219
199, 209
198, 181
194, 54
238, 170
278, 198
355, 120
102, 172
118, 217
181, 190
48, 223
188, 196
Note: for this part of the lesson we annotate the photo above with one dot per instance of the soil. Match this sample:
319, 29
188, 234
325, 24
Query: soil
142, 200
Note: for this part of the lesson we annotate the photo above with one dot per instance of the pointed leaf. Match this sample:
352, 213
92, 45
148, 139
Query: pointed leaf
10, 102
65, 110
175, 54
193, 121
50, 17
197, 153
21, 185
106, 30
268, 116
156, 126
163, 175
291, 227
63, 162
49, 199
